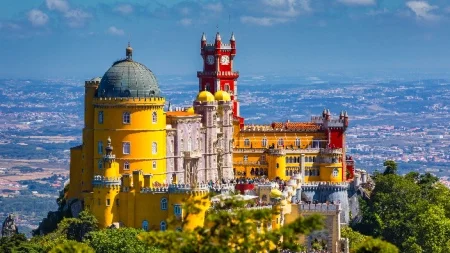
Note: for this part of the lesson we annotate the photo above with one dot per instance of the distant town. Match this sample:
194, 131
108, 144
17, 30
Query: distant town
406, 121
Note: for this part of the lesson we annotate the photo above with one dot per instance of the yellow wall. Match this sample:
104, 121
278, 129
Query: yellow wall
140, 133
75, 173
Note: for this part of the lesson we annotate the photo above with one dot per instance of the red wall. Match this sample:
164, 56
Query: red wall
336, 138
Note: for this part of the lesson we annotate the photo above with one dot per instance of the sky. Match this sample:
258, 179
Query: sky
82, 38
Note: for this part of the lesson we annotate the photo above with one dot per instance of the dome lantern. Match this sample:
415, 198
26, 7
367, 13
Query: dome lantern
129, 52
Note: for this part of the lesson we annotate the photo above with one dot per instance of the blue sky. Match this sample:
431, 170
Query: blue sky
80, 39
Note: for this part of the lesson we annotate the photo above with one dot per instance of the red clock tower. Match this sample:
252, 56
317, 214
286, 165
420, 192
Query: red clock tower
218, 71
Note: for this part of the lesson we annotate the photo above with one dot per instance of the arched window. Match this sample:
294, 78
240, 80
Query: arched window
335, 172
100, 147
145, 225
314, 159
246, 142
297, 142
264, 142
227, 87
154, 117
154, 165
163, 204
100, 164
126, 118
100, 117
126, 165
280, 142
126, 148
162, 226
154, 148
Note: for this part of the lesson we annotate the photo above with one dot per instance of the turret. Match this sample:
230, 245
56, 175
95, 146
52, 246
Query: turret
218, 41
203, 41
328, 115
233, 44
345, 119
341, 115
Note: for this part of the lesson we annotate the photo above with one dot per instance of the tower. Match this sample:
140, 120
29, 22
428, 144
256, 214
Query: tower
218, 73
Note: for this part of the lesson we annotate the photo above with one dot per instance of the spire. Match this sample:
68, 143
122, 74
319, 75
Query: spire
218, 36
129, 52
232, 37
108, 148
203, 37
169, 108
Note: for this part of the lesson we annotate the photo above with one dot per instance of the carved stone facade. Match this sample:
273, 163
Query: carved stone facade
199, 144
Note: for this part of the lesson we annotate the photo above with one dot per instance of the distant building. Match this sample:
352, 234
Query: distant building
163, 156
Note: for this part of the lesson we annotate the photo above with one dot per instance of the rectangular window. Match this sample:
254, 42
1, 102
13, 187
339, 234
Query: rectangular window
154, 165
100, 117
108, 202
245, 158
177, 210
126, 148
264, 142
126, 118
100, 147
126, 165
246, 142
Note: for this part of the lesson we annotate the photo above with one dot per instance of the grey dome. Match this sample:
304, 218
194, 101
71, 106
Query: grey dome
127, 78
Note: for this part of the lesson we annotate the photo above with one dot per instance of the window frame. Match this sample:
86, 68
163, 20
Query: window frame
335, 172
280, 142
154, 148
126, 118
163, 204
264, 142
100, 147
100, 164
100, 117
154, 165
154, 117
177, 210
126, 165
126, 144
144, 225
245, 158
163, 226
246, 142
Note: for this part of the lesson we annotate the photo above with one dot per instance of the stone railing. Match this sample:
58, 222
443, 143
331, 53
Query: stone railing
328, 151
192, 154
276, 151
250, 163
304, 207
101, 180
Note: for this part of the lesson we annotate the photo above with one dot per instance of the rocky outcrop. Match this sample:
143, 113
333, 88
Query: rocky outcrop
9, 227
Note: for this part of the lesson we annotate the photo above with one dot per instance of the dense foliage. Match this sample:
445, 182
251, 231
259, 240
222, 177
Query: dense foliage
411, 211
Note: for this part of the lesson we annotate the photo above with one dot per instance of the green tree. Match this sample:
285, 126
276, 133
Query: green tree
118, 240
390, 167
233, 228
371, 245
79, 227
409, 211
7, 244
72, 247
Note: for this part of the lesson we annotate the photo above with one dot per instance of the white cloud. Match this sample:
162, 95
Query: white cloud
287, 8
186, 22
124, 9
116, 31
58, 5
37, 17
377, 12
263, 21
214, 7
423, 10
358, 2
9, 26
74, 17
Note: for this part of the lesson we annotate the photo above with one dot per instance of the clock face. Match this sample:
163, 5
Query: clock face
210, 59
225, 60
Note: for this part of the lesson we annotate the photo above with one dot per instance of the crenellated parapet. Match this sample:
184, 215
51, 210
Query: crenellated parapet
329, 186
320, 208
100, 102
92, 83
101, 181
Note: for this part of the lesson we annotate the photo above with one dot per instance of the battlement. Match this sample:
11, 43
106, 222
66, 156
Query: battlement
322, 208
219, 74
339, 186
106, 181
106, 100
91, 83
249, 163
187, 188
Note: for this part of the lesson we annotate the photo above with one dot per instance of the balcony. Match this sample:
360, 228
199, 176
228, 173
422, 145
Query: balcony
192, 154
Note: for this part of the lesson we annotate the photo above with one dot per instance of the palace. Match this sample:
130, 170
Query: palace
140, 160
